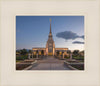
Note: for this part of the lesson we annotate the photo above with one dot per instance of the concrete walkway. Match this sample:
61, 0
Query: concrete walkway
49, 63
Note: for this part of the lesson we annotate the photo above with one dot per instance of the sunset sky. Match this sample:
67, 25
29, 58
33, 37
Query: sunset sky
33, 31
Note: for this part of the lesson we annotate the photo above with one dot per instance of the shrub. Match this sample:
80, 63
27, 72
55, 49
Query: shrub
67, 57
19, 58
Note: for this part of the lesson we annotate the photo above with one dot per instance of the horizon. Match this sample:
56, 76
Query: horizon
33, 31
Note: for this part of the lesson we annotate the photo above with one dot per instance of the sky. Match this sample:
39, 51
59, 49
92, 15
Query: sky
33, 31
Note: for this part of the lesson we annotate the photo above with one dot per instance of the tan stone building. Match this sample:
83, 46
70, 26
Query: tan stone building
50, 47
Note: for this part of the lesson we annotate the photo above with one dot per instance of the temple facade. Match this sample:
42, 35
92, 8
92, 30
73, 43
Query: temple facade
50, 47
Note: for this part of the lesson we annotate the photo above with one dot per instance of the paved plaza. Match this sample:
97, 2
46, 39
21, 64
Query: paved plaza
49, 63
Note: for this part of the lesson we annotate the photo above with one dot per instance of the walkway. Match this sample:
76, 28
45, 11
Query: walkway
50, 63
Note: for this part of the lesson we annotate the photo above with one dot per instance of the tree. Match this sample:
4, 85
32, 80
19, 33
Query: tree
23, 52
76, 52
30, 51
57, 53
37, 51
18, 51
81, 53
69, 51
42, 52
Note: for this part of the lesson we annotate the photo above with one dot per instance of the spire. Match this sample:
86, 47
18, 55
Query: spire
50, 33
50, 25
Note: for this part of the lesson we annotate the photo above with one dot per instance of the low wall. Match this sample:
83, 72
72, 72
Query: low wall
69, 66
25, 65
29, 67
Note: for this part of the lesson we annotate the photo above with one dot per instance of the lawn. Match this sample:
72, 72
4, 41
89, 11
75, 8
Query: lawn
21, 57
78, 57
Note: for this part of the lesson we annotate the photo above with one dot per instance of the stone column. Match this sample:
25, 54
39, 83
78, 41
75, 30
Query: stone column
63, 55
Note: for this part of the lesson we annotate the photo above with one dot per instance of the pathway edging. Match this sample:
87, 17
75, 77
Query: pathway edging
30, 65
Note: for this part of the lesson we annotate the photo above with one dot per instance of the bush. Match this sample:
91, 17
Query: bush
67, 57
22, 57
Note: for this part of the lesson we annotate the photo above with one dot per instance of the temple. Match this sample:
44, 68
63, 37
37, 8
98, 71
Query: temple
50, 47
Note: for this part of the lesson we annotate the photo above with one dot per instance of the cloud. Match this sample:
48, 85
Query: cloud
68, 35
82, 36
78, 42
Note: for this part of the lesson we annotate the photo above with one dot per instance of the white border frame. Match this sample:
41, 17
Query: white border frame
90, 76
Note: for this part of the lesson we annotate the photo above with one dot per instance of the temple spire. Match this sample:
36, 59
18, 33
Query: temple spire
50, 25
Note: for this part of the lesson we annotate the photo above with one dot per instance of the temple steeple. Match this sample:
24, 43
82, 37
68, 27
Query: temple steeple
50, 46
50, 33
50, 25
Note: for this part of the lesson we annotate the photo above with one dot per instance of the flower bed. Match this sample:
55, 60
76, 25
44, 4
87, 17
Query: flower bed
23, 64
75, 65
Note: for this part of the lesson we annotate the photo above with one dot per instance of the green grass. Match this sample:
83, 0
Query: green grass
17, 60
78, 57
22, 57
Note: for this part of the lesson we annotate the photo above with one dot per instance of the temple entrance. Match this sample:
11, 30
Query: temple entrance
50, 54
